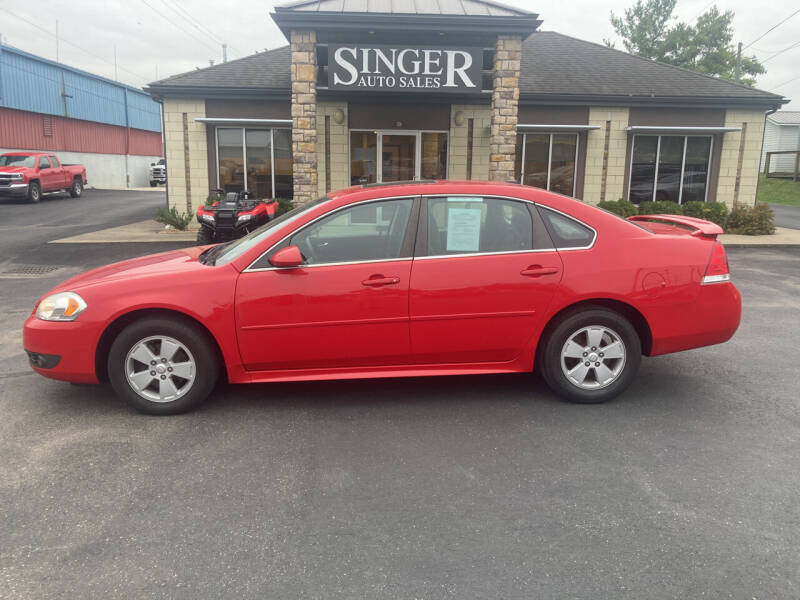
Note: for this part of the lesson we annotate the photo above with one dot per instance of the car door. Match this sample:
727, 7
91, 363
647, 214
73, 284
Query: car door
346, 305
60, 176
46, 173
483, 277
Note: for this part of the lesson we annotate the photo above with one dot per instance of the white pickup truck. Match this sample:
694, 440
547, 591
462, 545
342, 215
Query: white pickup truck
158, 172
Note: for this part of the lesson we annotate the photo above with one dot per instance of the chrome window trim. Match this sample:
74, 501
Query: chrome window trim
251, 269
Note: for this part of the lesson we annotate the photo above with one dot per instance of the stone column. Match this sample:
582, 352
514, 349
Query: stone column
304, 115
505, 98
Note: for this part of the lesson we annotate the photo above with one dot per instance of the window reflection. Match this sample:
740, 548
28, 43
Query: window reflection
434, 155
543, 156
657, 163
259, 149
231, 159
363, 150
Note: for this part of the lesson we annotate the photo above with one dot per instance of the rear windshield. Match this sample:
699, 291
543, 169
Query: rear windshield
17, 160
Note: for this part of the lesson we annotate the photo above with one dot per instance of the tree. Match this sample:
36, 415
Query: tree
647, 30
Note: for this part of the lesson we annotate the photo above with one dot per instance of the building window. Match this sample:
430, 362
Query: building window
547, 161
256, 160
669, 167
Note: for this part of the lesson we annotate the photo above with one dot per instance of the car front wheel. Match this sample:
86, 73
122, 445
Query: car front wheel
591, 356
163, 366
34, 192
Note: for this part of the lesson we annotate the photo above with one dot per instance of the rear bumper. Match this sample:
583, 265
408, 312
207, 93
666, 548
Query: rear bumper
74, 343
711, 319
14, 190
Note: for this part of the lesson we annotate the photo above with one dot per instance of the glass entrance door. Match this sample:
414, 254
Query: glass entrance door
382, 156
399, 157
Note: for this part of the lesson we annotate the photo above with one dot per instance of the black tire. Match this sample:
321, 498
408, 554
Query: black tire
186, 333
153, 183
549, 356
34, 192
204, 236
77, 188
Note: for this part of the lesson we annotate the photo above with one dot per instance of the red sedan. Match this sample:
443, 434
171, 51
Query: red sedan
423, 278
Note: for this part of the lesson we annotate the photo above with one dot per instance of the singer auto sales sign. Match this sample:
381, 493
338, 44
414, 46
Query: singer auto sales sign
403, 69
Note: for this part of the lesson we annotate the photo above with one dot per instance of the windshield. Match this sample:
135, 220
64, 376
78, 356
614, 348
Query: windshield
236, 249
17, 160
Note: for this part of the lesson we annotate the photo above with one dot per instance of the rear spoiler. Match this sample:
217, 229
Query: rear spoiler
700, 227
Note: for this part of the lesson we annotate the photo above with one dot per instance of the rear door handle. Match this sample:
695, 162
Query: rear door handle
380, 280
538, 271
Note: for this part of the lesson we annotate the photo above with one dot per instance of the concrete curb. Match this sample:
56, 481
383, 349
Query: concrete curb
142, 232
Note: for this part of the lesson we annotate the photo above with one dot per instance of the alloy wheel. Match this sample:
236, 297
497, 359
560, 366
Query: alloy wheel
160, 369
593, 357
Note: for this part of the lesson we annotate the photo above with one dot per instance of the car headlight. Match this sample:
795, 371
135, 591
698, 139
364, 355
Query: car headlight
64, 306
17, 176
207, 217
243, 218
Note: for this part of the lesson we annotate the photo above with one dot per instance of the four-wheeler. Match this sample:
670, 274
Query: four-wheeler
232, 217
390, 280
31, 174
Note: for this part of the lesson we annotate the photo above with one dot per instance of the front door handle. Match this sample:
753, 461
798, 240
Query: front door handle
380, 280
538, 271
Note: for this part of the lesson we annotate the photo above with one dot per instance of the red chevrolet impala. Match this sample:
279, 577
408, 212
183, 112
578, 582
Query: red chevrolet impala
421, 278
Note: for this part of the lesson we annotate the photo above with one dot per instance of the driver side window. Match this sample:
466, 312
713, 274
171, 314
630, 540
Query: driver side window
366, 232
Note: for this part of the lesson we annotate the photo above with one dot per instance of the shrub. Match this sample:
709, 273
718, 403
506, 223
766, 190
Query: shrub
623, 208
172, 217
284, 205
751, 220
660, 207
716, 212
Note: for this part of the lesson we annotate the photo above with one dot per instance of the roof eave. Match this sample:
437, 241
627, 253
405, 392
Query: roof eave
287, 20
159, 92
771, 102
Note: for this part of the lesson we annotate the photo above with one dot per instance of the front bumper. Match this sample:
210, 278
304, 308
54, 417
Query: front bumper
14, 190
73, 342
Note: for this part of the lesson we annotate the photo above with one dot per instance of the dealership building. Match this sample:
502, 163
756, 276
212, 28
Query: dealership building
393, 90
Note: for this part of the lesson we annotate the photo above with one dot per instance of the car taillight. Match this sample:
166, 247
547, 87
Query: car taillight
717, 269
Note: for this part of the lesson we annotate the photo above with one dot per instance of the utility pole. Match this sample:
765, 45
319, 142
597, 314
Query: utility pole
57, 60
739, 63
224, 53
115, 63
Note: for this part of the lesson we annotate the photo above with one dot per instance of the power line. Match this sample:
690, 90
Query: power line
174, 24
778, 24
785, 82
795, 45
61, 39
188, 18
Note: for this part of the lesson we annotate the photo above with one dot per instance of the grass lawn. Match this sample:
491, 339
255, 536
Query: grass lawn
778, 191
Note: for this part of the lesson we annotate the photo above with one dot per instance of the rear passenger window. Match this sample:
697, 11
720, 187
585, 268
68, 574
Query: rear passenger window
565, 231
463, 225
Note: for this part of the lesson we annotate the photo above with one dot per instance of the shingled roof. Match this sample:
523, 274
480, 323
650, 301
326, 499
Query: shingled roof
563, 67
555, 68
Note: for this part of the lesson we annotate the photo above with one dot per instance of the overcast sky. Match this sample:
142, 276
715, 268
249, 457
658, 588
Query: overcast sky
155, 39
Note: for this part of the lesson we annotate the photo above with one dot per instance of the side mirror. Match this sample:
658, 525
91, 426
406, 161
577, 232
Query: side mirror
287, 257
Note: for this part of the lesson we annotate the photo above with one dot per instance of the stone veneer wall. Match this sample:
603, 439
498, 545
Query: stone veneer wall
304, 114
505, 98
457, 142
605, 166
186, 153
339, 161
738, 181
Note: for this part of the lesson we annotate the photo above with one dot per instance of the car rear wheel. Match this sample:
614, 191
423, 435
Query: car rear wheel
34, 192
77, 188
163, 366
591, 356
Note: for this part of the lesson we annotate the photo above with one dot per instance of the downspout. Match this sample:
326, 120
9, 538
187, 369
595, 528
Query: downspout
761, 153
127, 139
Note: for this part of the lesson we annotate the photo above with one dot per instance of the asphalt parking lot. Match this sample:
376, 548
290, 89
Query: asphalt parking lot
464, 487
